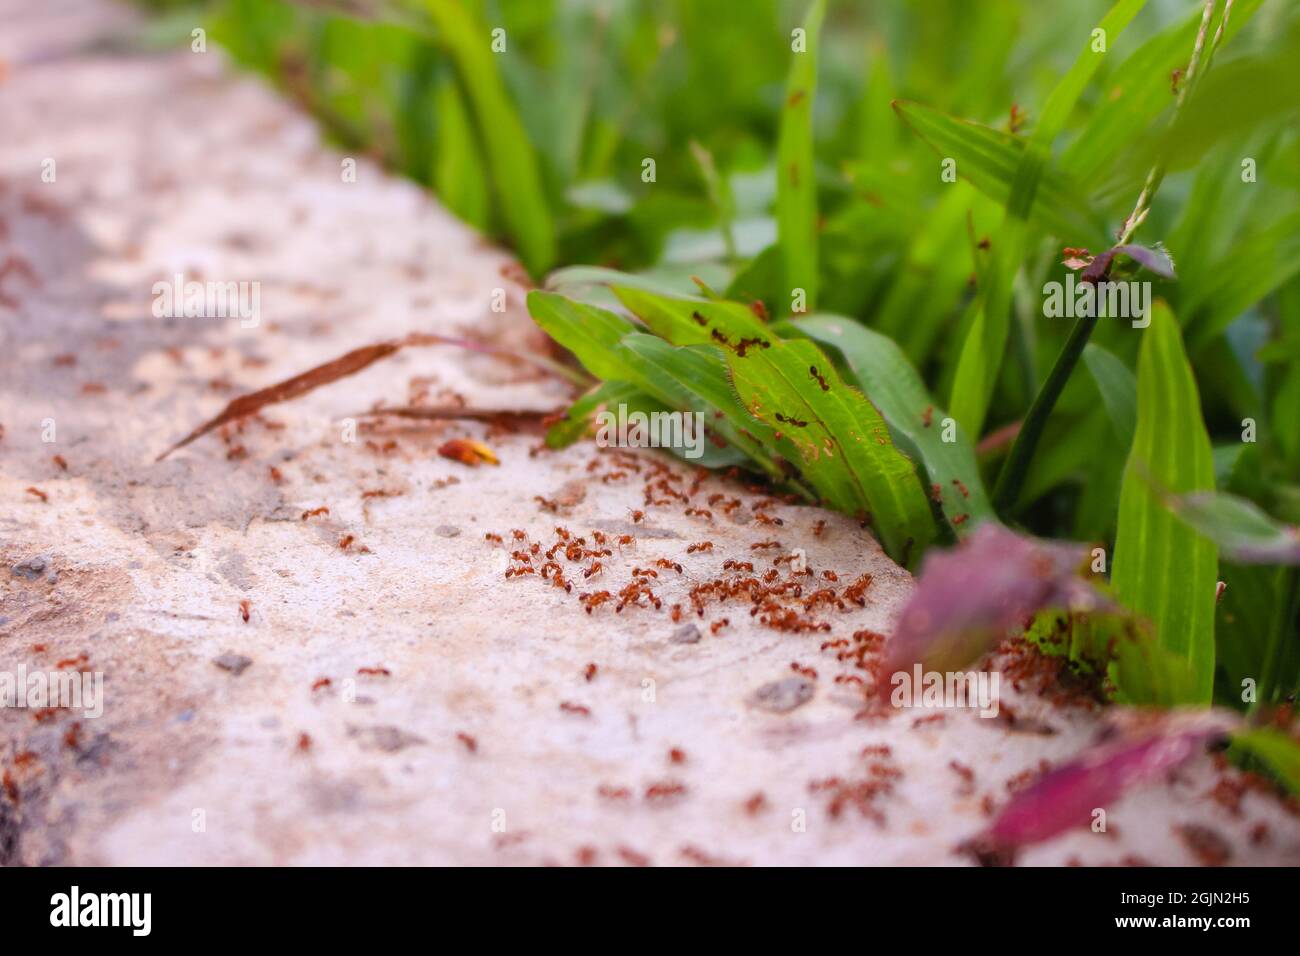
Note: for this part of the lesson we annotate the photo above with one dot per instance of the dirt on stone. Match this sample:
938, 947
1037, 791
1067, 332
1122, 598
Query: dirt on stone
288, 690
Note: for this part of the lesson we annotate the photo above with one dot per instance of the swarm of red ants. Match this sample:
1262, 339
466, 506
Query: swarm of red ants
779, 588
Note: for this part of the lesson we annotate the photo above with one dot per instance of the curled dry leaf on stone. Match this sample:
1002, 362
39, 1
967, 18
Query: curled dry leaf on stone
968, 598
1136, 751
341, 367
467, 451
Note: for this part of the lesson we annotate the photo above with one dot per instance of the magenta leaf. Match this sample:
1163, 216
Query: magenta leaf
1066, 797
968, 598
1154, 260
1243, 532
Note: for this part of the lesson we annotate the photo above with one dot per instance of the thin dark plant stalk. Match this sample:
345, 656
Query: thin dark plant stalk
1011, 479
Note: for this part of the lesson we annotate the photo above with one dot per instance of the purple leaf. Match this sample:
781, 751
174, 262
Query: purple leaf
968, 598
1067, 796
1243, 532
1154, 260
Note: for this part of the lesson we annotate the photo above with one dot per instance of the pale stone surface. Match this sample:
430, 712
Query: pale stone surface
172, 164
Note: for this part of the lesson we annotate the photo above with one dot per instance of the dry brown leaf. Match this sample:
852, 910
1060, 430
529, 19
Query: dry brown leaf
341, 367
468, 451
254, 402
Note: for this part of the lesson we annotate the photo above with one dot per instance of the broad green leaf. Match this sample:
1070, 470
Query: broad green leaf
835, 436
684, 380
577, 420
591, 284
510, 154
598, 338
1163, 569
796, 181
1118, 390
989, 159
589, 332
893, 386
700, 374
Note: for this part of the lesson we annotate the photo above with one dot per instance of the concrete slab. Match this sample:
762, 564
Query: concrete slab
392, 698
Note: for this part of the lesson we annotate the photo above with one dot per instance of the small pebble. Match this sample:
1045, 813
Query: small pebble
783, 696
686, 634
385, 737
447, 530
32, 568
235, 663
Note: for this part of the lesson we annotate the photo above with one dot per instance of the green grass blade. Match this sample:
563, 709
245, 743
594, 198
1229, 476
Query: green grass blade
1242, 620
1278, 751
796, 189
934, 277
589, 332
577, 420
511, 157
989, 159
1253, 268
1136, 93
458, 177
1118, 390
888, 379
1163, 569
981, 355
